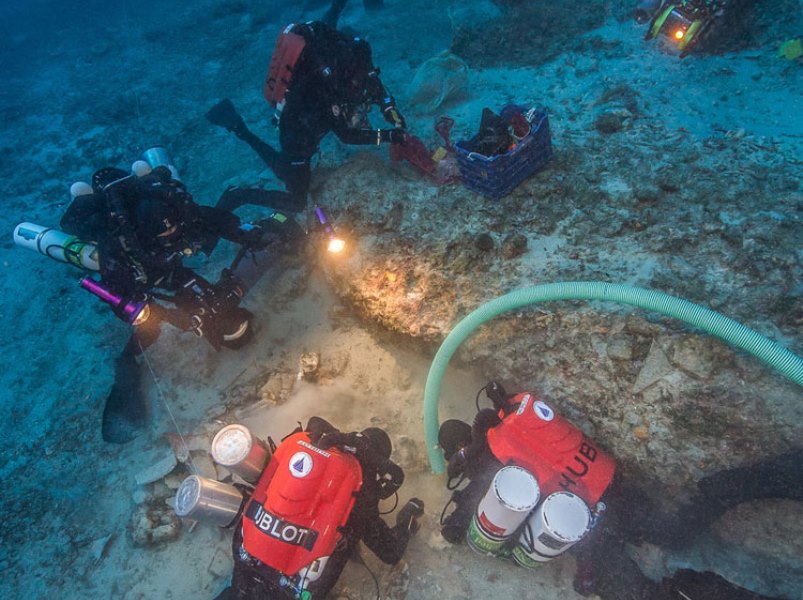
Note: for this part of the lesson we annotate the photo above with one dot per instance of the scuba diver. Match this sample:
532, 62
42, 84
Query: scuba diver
319, 80
306, 506
525, 432
142, 225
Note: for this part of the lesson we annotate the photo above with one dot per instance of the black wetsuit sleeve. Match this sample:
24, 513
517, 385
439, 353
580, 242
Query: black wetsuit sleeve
388, 543
374, 90
220, 223
357, 137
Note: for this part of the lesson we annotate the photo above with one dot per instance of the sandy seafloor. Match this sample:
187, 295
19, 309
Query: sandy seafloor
89, 86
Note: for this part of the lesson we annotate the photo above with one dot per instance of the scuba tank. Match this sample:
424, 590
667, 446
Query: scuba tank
559, 522
513, 493
57, 245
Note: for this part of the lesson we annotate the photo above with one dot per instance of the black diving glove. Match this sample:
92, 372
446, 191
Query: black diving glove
249, 236
393, 136
392, 114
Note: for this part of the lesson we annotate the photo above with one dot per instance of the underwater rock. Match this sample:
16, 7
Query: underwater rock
204, 465
610, 122
157, 471
182, 445
308, 366
514, 245
436, 541
437, 80
151, 525
484, 242
277, 388
621, 349
220, 565
656, 367
699, 355
98, 547
174, 480
333, 365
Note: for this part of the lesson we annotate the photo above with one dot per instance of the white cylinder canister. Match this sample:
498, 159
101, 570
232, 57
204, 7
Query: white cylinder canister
237, 449
57, 245
208, 501
513, 493
562, 520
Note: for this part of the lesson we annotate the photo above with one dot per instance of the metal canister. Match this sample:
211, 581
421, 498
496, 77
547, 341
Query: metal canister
158, 157
237, 449
208, 501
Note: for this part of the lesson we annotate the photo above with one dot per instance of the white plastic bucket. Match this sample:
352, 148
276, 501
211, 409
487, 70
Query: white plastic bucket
561, 521
513, 493
236, 448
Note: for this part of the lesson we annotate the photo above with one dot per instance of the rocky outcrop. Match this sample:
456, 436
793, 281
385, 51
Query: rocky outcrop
690, 219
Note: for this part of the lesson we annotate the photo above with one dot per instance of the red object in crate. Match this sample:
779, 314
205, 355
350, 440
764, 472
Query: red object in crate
439, 165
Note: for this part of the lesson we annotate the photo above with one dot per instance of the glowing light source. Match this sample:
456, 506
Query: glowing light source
143, 315
336, 245
131, 311
679, 34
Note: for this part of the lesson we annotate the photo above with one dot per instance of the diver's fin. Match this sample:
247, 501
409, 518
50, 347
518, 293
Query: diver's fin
223, 114
126, 412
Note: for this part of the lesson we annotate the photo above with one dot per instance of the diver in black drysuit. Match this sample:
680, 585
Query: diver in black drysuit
603, 566
333, 86
144, 227
253, 580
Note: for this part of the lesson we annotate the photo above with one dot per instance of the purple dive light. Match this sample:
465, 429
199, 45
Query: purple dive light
133, 313
336, 244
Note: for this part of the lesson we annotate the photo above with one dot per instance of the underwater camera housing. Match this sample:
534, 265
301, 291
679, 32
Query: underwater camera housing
216, 313
683, 24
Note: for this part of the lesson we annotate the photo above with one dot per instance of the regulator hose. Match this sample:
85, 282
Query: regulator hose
736, 334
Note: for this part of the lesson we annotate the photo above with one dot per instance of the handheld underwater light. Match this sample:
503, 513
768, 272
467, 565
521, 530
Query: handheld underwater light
335, 244
132, 312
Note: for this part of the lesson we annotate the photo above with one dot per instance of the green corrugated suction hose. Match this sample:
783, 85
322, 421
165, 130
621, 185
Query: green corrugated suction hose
712, 322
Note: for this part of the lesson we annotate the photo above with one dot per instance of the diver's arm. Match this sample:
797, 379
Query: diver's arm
377, 94
365, 137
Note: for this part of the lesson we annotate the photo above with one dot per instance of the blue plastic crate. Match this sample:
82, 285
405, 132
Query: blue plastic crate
496, 176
